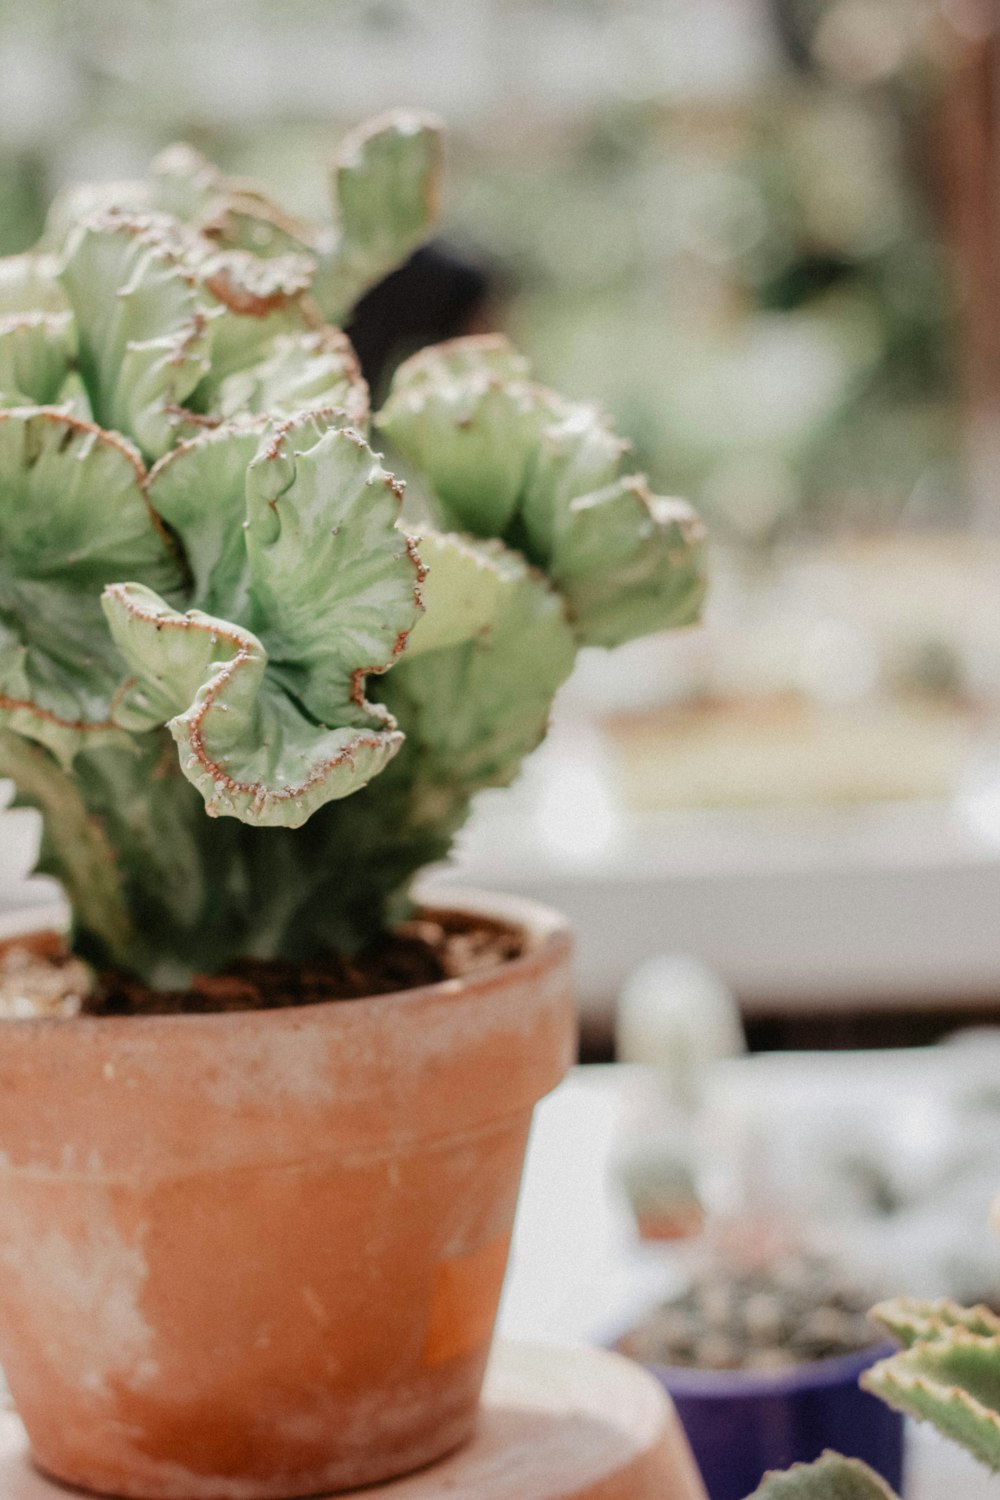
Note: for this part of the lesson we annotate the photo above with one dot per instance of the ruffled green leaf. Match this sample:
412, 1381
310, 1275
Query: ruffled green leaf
36, 350
505, 457
267, 355
239, 344
73, 516
143, 326
313, 586
465, 416
225, 214
461, 593
909, 1319
952, 1383
248, 285
577, 453
384, 184
293, 371
230, 211
469, 711
488, 358
629, 562
173, 331
30, 284
829, 1478
335, 586
472, 711
199, 489
252, 753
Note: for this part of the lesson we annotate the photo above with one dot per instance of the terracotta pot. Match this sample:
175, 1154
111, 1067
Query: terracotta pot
259, 1255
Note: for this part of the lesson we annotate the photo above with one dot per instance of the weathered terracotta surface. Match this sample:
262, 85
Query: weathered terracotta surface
259, 1254
556, 1424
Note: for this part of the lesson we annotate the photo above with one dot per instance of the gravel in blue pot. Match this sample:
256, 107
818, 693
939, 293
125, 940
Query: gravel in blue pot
762, 1364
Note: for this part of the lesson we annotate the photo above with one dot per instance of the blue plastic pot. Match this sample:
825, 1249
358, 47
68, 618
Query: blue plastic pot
740, 1423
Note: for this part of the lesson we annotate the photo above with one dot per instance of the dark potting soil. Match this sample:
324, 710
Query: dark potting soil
797, 1310
424, 951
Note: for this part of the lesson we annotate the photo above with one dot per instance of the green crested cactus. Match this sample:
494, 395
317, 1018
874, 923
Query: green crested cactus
206, 573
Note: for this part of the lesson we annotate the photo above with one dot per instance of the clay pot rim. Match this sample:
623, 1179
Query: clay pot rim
548, 938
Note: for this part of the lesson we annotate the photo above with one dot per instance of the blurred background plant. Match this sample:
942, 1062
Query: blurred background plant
712, 217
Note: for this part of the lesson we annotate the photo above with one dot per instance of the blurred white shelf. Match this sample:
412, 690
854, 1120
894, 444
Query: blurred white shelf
806, 909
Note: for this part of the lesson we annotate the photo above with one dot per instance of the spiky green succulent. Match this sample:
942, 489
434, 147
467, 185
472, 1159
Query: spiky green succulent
947, 1372
829, 1478
205, 574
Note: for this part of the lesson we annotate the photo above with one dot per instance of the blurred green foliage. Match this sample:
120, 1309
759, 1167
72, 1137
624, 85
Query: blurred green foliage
756, 292
742, 266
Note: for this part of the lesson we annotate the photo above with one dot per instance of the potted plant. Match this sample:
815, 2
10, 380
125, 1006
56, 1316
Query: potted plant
761, 1357
947, 1373
255, 1200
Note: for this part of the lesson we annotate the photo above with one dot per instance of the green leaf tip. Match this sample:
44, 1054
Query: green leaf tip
829, 1478
142, 324
910, 1319
36, 355
74, 516
385, 181
505, 457
953, 1382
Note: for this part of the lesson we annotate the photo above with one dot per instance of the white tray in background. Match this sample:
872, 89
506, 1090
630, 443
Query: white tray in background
804, 909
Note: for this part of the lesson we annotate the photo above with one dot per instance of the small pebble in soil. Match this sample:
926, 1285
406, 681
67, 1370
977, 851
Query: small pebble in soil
715, 1352
34, 984
762, 1316
797, 1309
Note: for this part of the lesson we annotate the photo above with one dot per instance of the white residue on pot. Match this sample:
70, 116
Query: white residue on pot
85, 1299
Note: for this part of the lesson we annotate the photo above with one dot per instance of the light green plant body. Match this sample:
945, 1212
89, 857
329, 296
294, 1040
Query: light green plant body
829, 1478
205, 576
